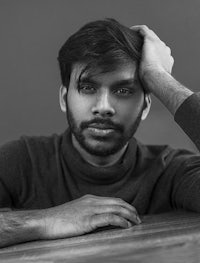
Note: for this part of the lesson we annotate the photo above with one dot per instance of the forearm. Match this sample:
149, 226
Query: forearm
21, 226
187, 117
169, 91
177, 98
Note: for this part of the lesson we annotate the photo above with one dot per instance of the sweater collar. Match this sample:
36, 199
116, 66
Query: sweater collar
101, 175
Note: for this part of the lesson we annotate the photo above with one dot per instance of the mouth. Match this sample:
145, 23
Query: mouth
101, 126
101, 129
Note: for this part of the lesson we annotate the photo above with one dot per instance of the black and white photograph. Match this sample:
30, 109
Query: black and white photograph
99, 131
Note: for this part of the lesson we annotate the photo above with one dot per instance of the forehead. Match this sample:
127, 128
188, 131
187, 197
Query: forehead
121, 72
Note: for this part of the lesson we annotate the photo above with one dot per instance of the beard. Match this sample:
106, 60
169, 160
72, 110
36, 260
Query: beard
103, 147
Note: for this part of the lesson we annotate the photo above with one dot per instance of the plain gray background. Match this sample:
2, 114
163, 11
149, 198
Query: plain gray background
31, 33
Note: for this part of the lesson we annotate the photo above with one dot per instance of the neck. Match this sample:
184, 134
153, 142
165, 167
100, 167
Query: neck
101, 161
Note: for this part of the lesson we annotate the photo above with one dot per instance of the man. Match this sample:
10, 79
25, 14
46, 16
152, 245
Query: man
96, 173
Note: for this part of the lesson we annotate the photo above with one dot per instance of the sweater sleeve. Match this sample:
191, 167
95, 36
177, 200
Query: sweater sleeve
185, 192
188, 118
13, 160
186, 183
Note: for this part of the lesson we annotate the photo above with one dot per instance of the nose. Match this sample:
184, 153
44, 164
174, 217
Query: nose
103, 105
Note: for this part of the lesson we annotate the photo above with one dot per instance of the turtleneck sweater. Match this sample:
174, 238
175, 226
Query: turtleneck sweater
38, 172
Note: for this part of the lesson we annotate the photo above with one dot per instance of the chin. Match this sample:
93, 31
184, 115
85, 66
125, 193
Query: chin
102, 149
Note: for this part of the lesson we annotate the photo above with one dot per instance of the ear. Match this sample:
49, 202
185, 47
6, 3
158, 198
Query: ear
62, 98
147, 106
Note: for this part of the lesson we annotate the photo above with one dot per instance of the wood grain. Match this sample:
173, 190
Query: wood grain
172, 237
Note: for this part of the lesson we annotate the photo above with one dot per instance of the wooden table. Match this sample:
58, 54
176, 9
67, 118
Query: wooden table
172, 237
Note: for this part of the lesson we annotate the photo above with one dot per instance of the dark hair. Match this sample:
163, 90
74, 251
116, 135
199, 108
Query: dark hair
105, 44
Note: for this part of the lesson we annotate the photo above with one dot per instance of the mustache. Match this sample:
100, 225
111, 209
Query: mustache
105, 122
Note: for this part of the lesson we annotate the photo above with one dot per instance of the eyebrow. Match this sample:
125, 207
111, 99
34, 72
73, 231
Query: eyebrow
122, 82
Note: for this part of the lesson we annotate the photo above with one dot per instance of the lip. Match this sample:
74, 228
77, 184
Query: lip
101, 126
100, 131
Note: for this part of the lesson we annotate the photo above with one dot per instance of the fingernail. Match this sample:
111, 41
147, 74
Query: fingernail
138, 219
129, 224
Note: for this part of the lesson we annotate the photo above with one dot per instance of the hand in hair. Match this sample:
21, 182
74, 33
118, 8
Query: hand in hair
156, 55
155, 71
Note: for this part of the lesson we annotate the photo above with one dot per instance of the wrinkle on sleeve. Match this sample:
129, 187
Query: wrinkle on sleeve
186, 185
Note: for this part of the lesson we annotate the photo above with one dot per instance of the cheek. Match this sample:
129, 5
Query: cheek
130, 110
78, 106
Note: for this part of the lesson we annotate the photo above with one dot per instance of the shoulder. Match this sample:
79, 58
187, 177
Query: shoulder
26, 147
166, 155
41, 143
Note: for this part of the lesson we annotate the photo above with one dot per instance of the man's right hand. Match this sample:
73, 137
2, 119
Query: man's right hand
86, 214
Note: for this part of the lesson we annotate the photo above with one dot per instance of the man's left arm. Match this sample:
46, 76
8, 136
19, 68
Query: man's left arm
155, 73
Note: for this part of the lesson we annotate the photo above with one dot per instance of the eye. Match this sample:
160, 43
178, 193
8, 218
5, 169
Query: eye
86, 88
124, 92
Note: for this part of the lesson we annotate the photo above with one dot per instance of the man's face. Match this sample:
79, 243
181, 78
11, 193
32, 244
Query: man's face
104, 110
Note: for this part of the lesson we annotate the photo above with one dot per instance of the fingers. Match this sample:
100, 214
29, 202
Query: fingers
172, 60
169, 50
145, 31
115, 206
156, 55
108, 219
118, 210
113, 201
